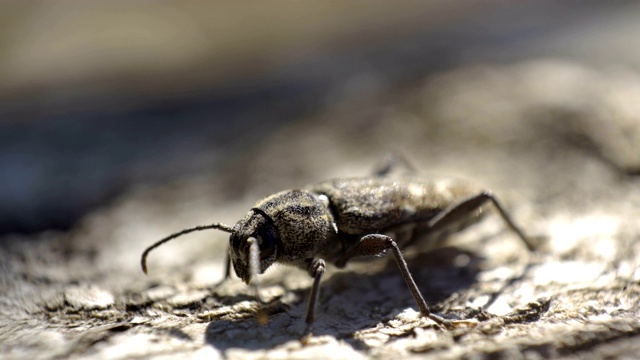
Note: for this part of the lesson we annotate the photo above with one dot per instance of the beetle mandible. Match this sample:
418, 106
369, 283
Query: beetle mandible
337, 220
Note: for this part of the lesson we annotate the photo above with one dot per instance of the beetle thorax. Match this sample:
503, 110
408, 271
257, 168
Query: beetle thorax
302, 222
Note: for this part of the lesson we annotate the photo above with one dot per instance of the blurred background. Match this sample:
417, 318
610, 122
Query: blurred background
100, 98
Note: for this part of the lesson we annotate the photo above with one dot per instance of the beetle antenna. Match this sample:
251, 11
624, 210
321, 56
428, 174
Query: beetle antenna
143, 259
254, 269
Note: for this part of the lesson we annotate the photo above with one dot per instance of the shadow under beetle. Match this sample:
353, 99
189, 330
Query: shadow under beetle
337, 220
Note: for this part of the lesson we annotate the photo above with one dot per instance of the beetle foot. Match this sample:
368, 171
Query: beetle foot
307, 335
453, 324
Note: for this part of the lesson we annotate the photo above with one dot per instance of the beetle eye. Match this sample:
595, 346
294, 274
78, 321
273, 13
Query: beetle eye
267, 244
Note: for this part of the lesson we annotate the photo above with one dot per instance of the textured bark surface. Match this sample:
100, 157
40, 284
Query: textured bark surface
563, 165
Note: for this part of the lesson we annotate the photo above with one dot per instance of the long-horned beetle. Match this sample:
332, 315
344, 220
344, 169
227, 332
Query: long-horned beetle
337, 220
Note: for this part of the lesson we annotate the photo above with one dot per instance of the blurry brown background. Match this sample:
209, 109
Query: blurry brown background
123, 121
98, 97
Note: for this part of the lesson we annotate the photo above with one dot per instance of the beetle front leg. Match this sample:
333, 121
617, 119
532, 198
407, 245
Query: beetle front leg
227, 271
316, 271
377, 244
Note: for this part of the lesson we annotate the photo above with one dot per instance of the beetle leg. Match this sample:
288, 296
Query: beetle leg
390, 164
316, 270
227, 267
227, 271
465, 208
378, 244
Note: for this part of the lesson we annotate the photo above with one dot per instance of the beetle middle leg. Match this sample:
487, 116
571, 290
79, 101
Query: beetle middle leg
377, 244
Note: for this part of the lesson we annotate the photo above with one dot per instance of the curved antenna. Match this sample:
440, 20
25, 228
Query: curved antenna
143, 259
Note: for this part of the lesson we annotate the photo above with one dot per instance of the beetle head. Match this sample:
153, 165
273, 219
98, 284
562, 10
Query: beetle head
254, 238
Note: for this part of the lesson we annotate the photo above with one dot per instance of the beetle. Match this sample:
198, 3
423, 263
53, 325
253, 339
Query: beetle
338, 220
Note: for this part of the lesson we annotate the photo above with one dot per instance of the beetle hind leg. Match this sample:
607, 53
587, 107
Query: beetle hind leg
465, 208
